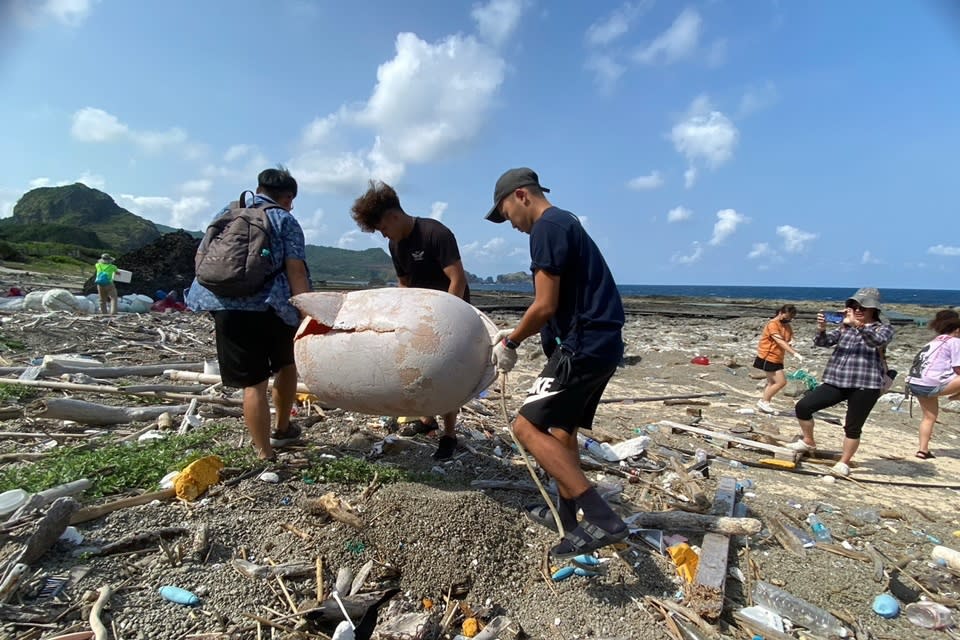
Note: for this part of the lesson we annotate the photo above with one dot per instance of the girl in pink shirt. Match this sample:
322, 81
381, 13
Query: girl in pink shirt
934, 373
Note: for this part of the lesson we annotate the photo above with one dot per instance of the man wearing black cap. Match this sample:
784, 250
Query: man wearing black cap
579, 314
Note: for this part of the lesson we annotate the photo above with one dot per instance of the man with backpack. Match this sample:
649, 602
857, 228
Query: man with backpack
251, 261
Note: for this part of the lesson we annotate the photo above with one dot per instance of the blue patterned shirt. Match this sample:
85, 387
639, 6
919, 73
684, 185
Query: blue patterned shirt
287, 243
855, 362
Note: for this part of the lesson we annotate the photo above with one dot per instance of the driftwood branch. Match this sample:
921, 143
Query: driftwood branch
50, 527
138, 541
212, 378
688, 396
54, 368
683, 521
97, 414
96, 624
108, 389
92, 513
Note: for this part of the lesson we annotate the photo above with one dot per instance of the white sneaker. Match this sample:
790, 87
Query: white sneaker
766, 407
840, 469
800, 446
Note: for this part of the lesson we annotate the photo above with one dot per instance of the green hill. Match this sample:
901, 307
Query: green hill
330, 263
85, 210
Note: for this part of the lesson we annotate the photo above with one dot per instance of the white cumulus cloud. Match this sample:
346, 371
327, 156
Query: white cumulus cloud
705, 135
196, 186
498, 19
689, 177
492, 248
727, 222
91, 124
869, 258
606, 71
92, 180
761, 250
690, 258
679, 214
430, 99
794, 240
678, 42
943, 250
187, 212
615, 24
96, 125
652, 180
33, 13
437, 210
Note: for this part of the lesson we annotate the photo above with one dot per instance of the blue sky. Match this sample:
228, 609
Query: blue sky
719, 142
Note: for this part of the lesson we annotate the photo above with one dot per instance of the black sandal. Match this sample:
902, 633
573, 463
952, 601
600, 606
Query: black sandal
586, 538
925, 455
540, 514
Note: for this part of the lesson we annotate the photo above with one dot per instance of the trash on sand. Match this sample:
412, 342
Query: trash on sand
686, 560
886, 606
197, 477
178, 595
798, 611
929, 615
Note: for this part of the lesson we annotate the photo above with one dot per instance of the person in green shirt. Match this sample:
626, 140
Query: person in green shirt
104, 281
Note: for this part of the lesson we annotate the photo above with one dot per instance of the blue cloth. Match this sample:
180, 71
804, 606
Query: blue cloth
855, 362
286, 241
589, 316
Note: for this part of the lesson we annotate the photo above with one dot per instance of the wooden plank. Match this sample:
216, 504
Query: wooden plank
706, 592
780, 453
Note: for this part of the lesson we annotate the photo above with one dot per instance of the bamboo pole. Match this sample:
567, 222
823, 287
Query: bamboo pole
108, 389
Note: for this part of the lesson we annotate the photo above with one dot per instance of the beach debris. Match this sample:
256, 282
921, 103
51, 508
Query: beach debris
886, 606
179, 596
96, 624
705, 596
430, 350
334, 506
93, 512
197, 477
137, 541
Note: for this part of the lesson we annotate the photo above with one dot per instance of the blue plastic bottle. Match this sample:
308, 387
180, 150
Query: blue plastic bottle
820, 530
178, 595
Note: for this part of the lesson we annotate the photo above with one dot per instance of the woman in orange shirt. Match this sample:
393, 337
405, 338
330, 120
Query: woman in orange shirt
774, 342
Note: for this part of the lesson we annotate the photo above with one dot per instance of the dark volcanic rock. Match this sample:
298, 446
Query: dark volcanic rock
167, 263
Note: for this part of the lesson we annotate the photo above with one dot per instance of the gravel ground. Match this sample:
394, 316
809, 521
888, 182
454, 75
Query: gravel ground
438, 533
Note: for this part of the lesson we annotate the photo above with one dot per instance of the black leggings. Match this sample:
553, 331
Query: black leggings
859, 404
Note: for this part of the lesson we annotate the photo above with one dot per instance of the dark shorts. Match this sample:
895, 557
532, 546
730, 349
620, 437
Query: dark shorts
251, 346
766, 365
567, 392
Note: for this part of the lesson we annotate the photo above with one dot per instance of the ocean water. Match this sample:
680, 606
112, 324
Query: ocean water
928, 297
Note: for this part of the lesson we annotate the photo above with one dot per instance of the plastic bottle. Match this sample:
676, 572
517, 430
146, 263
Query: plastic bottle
736, 464
799, 611
178, 595
949, 556
929, 615
600, 450
700, 455
820, 530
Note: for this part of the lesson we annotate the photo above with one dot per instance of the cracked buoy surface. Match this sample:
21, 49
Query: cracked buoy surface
393, 351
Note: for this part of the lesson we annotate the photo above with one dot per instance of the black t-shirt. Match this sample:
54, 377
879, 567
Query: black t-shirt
589, 317
422, 256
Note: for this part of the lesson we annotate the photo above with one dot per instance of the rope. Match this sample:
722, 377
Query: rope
523, 453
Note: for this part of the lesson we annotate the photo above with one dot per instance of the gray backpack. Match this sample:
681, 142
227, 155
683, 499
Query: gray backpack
234, 259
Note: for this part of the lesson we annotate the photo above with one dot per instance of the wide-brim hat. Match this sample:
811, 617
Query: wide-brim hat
867, 297
106, 257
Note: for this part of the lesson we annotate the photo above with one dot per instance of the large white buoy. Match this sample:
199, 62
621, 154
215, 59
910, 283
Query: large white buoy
393, 351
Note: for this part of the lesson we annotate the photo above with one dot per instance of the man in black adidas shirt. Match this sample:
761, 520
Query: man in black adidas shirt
425, 255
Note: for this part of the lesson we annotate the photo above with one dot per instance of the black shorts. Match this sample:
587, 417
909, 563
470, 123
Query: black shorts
766, 365
251, 345
567, 392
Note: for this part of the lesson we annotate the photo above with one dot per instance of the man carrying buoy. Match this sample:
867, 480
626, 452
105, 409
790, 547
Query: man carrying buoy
579, 314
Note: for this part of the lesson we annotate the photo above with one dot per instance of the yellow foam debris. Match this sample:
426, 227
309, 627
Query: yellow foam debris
197, 476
